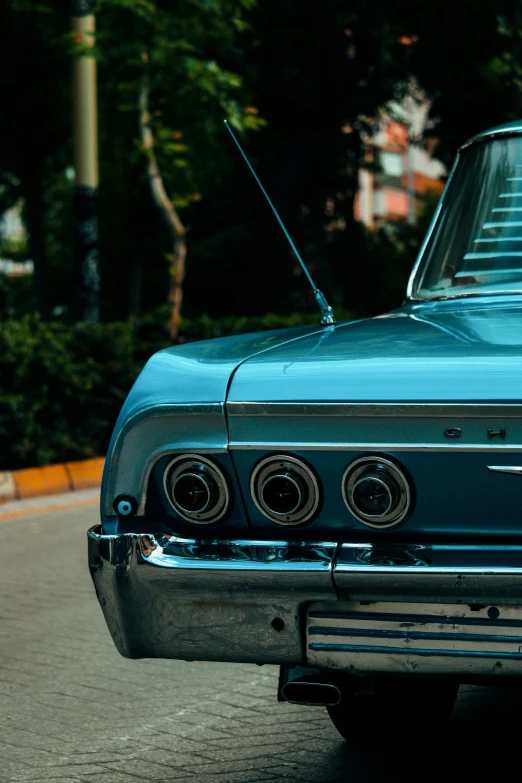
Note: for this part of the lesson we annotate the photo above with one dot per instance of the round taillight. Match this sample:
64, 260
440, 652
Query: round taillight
197, 489
285, 490
377, 492
194, 492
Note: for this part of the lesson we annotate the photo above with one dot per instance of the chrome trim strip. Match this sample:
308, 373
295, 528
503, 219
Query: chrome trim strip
428, 570
164, 409
427, 238
471, 585
396, 572
376, 409
504, 469
422, 652
379, 447
168, 552
492, 134
426, 620
416, 636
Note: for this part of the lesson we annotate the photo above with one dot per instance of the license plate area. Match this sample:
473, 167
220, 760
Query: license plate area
414, 637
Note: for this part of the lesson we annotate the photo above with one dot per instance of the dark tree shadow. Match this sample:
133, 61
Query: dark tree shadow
482, 742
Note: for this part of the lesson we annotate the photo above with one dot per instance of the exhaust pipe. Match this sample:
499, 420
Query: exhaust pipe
318, 694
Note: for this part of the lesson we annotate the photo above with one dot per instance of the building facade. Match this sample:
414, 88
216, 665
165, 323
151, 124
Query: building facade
399, 169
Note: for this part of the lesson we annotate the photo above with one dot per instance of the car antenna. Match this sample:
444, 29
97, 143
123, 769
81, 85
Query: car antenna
327, 313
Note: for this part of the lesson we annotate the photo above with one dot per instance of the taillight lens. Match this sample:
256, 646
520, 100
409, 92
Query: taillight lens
197, 489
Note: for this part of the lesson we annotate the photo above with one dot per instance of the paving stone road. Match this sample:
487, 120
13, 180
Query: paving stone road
71, 709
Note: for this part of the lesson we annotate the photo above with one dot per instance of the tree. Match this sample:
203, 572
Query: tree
318, 78
169, 70
466, 62
191, 92
166, 208
315, 74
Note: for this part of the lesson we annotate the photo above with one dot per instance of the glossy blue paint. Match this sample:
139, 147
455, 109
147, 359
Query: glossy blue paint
200, 372
452, 351
191, 373
458, 350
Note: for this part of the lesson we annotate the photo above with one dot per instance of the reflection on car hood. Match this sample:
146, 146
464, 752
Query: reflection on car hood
199, 372
466, 350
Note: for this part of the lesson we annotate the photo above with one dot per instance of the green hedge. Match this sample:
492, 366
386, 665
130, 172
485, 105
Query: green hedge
61, 388
62, 385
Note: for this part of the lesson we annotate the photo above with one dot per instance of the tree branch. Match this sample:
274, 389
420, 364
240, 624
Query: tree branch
166, 208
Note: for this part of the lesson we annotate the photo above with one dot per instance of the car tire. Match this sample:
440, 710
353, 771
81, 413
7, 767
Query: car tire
409, 709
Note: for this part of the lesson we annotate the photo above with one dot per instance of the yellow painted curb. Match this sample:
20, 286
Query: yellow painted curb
85, 474
51, 479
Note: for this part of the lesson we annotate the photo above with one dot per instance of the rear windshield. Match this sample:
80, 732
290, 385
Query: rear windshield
476, 246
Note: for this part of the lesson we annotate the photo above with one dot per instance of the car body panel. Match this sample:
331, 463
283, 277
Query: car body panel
199, 372
157, 420
413, 354
432, 389
460, 354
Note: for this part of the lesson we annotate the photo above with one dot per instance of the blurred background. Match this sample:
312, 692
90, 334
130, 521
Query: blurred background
128, 220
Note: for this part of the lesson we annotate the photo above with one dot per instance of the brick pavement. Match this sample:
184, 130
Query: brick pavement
72, 710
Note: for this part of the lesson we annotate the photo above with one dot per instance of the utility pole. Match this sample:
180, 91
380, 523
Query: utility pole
410, 107
87, 256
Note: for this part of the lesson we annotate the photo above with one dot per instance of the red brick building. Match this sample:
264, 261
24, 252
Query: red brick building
399, 172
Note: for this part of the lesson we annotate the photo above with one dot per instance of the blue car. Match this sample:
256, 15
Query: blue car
341, 500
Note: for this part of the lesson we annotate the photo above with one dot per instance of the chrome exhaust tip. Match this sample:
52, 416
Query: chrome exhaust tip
315, 694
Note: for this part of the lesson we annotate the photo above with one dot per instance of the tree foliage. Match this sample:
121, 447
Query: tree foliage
466, 59
190, 47
318, 78
187, 48
300, 82
63, 385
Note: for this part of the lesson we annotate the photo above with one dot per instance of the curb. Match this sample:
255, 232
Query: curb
51, 479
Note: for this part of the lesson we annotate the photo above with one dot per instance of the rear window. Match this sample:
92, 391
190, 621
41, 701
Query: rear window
476, 245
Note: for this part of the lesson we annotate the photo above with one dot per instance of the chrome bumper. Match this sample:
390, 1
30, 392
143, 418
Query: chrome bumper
457, 574
217, 601
246, 601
